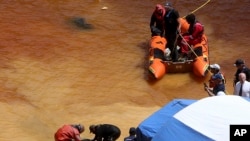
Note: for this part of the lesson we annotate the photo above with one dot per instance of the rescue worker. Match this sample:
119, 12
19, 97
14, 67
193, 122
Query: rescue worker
157, 19
105, 132
215, 69
194, 35
69, 133
219, 86
172, 29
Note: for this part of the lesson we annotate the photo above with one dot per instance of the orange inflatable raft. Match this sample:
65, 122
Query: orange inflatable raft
201, 61
156, 56
198, 64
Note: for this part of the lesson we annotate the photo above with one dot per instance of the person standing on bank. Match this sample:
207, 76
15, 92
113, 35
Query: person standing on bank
219, 86
242, 87
132, 135
105, 132
215, 69
241, 67
69, 133
172, 29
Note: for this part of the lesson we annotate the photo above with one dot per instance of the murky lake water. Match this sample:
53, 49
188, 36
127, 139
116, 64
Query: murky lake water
53, 73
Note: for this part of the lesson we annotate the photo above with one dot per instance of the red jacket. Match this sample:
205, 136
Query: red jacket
196, 34
67, 133
157, 18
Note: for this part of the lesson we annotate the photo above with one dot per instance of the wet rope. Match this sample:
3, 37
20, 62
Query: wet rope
188, 45
182, 36
186, 41
226, 92
199, 7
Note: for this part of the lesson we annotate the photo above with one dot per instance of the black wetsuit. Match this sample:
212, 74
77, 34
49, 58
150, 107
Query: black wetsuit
171, 29
107, 132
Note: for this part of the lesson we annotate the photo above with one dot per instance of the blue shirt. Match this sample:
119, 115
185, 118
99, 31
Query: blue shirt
219, 87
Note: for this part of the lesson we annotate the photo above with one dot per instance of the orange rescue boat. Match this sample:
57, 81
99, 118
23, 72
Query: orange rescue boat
159, 66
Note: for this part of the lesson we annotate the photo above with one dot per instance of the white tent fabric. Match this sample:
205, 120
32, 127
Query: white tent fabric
213, 116
208, 119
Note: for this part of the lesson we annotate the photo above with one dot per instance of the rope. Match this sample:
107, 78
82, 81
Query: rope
192, 50
186, 41
226, 92
199, 7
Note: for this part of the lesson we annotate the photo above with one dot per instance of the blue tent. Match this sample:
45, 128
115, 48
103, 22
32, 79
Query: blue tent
207, 119
152, 125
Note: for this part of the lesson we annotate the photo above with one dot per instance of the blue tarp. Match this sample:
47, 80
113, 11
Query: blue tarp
152, 125
205, 116
175, 130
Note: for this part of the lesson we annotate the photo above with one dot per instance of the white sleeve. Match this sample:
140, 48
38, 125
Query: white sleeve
221, 93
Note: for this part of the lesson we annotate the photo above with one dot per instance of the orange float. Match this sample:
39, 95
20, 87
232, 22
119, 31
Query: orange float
156, 55
184, 25
201, 61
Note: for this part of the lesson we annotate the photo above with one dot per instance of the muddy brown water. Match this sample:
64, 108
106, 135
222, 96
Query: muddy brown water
54, 73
